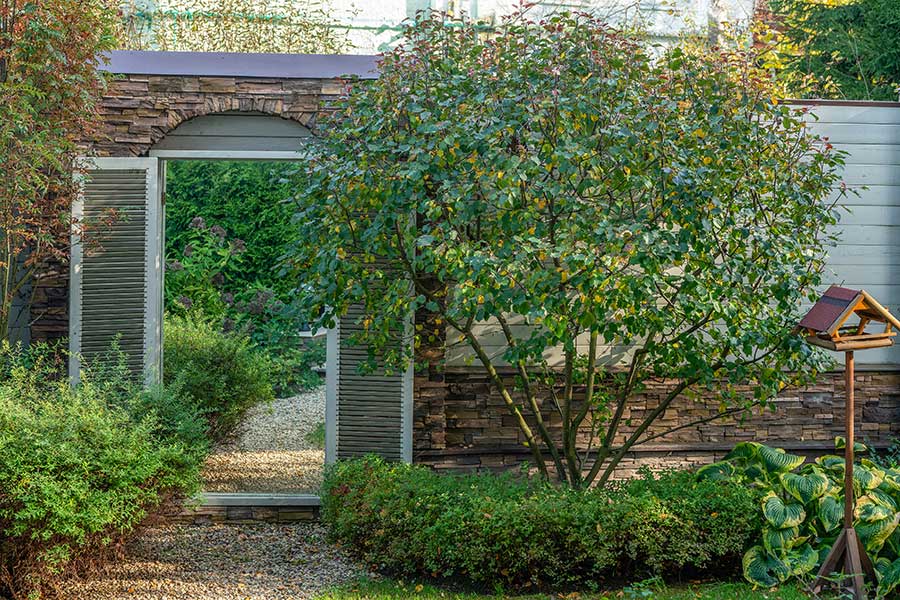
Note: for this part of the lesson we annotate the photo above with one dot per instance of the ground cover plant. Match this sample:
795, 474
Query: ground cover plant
802, 506
80, 467
588, 204
513, 533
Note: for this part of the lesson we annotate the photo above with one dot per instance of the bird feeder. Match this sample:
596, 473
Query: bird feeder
839, 321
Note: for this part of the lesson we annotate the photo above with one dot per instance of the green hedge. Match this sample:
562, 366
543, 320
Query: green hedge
503, 531
81, 467
223, 372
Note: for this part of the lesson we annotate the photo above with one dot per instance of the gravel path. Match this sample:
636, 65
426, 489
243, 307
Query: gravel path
222, 562
269, 451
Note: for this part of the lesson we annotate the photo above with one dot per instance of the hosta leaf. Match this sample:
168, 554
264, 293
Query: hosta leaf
831, 462
779, 461
802, 560
763, 569
868, 510
743, 450
831, 512
805, 488
840, 443
882, 498
888, 575
874, 534
780, 514
865, 479
778, 541
716, 471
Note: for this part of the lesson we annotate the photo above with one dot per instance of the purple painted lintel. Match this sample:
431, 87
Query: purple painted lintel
234, 64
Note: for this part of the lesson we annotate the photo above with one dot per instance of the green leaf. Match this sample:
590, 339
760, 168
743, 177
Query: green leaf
875, 534
805, 488
716, 471
831, 462
865, 479
763, 569
868, 510
888, 575
778, 541
802, 560
780, 514
779, 461
830, 512
743, 450
858, 447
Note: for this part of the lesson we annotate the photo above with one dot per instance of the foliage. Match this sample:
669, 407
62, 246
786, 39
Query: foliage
582, 199
316, 437
845, 49
497, 530
278, 26
81, 467
234, 280
803, 511
49, 89
222, 372
247, 200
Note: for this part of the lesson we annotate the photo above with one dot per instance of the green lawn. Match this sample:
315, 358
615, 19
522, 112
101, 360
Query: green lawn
392, 590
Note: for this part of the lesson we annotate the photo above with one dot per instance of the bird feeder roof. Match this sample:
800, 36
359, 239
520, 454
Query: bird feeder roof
824, 323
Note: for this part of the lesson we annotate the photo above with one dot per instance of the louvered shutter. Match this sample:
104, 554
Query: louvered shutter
369, 413
116, 272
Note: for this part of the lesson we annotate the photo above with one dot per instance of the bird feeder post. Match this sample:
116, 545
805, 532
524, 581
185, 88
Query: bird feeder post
824, 326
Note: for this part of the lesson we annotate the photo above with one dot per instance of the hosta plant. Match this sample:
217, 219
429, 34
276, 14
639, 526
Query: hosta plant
803, 511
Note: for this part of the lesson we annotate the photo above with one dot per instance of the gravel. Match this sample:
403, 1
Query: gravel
269, 451
222, 562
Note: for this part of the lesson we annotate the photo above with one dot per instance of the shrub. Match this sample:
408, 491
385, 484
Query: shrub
222, 372
81, 467
802, 506
500, 530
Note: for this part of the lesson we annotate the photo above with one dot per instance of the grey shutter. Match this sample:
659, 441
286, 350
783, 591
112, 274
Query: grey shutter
116, 277
369, 413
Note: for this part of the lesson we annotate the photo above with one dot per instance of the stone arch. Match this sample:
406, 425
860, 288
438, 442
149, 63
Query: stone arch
138, 110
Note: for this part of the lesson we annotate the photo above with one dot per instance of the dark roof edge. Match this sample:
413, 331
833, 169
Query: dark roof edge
234, 64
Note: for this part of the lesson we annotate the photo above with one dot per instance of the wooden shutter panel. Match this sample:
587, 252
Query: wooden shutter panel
116, 276
371, 413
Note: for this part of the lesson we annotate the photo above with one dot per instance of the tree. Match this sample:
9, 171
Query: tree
846, 49
286, 26
49, 89
559, 183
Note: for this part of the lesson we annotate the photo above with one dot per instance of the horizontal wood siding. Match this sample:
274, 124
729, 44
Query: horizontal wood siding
868, 254
369, 406
236, 132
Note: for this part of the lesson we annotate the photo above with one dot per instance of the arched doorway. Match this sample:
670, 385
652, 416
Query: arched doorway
118, 291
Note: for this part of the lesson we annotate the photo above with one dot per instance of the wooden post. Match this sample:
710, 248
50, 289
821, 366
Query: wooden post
848, 553
849, 427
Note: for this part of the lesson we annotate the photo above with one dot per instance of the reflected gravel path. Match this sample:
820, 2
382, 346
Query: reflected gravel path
222, 562
269, 451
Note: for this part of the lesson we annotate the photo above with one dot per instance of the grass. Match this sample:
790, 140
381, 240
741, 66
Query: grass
652, 589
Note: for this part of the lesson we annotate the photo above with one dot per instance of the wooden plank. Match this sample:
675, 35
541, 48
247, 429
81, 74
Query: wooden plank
869, 115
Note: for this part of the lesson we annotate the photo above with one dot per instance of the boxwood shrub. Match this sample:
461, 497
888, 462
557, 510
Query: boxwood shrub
81, 467
506, 531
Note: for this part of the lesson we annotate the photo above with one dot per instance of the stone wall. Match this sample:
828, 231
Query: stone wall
461, 422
